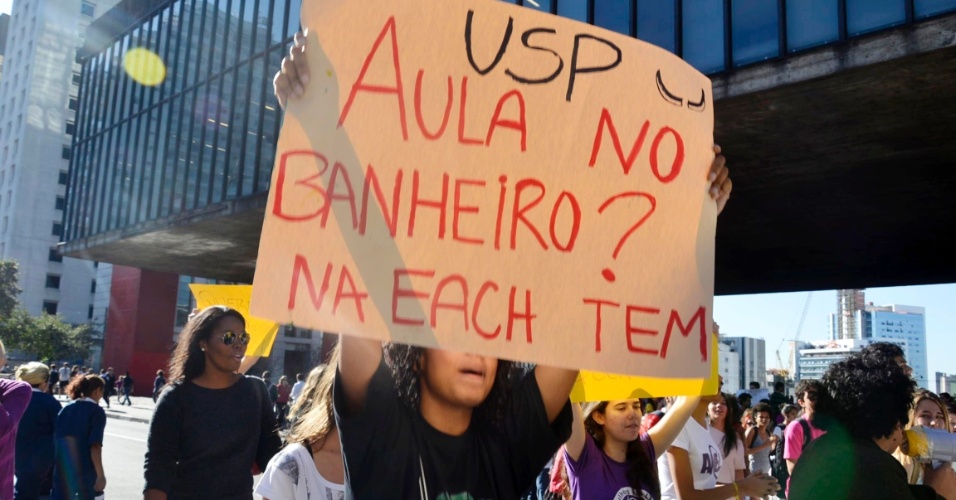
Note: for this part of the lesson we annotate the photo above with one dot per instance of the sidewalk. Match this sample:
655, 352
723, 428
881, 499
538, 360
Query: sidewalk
140, 411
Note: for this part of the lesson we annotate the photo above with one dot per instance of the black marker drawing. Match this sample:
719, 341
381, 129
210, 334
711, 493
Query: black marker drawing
698, 106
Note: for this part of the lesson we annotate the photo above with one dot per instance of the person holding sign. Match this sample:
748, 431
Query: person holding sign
427, 423
607, 455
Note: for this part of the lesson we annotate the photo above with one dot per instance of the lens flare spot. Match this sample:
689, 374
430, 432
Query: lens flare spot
144, 67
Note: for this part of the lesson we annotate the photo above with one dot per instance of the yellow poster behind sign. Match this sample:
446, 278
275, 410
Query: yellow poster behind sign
262, 332
597, 386
482, 177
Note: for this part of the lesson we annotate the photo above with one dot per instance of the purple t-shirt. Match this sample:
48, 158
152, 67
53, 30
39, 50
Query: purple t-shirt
595, 475
14, 398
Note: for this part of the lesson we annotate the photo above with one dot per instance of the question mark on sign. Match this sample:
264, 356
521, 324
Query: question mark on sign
607, 272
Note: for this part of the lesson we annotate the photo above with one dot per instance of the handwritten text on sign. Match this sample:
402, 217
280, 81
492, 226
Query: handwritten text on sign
481, 177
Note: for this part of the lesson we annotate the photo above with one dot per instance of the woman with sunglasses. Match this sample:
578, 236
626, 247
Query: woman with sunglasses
211, 424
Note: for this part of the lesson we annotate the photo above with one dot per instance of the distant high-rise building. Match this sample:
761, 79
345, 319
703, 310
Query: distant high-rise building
728, 365
38, 102
752, 360
815, 357
945, 383
906, 326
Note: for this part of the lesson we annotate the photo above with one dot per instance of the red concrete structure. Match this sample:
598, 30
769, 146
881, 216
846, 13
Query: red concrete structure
139, 324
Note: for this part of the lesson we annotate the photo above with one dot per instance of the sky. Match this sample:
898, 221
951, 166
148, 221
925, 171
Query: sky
775, 318
6, 6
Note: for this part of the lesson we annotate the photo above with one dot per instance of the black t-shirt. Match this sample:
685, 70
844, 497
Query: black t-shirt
839, 466
390, 451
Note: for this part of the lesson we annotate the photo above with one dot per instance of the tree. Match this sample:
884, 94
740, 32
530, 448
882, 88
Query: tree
9, 288
47, 337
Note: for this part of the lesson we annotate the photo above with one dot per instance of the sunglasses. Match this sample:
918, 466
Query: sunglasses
231, 337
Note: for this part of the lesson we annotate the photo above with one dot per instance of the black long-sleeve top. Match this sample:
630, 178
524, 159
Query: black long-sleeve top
203, 442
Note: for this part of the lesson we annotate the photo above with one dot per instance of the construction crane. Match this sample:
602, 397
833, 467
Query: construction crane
785, 369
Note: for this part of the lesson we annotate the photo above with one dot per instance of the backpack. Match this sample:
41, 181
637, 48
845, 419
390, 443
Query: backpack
779, 464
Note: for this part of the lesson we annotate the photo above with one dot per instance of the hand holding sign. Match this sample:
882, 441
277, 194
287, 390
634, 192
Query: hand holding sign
404, 229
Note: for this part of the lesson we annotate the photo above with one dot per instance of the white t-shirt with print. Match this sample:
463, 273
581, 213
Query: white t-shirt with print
731, 463
291, 475
704, 455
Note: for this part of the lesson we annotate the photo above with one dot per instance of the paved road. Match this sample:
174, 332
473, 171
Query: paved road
124, 448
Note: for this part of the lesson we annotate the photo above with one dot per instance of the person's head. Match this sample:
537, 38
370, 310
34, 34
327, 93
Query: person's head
929, 411
318, 419
867, 396
160, 373
755, 385
807, 392
724, 415
86, 386
299, 377
612, 423
888, 351
266, 376
283, 380
452, 379
778, 387
109, 370
215, 339
745, 400
34, 373
761, 413
790, 413
747, 417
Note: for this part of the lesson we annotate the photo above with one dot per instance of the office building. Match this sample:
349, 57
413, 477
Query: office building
728, 365
752, 361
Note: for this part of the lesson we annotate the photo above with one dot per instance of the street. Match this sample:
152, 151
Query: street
124, 448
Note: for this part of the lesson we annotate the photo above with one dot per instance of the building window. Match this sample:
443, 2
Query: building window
76, 78
93, 286
63, 178
87, 9
89, 313
49, 307
70, 128
60, 203
65, 153
74, 103
55, 256
53, 281
57, 229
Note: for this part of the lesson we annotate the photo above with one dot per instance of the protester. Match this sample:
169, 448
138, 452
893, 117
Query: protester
651, 419
689, 468
78, 442
864, 404
210, 424
297, 387
723, 414
35, 450
158, 383
778, 462
109, 379
310, 466
759, 440
777, 400
283, 393
426, 423
802, 430
54, 381
15, 396
608, 457
127, 389
928, 411
65, 377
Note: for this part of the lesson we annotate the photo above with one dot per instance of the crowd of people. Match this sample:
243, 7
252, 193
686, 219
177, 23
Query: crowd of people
384, 420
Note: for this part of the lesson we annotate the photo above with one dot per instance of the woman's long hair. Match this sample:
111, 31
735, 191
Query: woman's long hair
84, 386
188, 360
734, 413
640, 469
319, 420
405, 362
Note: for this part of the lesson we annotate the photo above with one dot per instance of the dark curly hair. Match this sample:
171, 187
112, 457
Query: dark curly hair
887, 350
188, 360
867, 394
405, 360
640, 469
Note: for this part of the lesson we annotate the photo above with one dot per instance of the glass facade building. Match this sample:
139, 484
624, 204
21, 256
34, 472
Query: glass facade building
206, 134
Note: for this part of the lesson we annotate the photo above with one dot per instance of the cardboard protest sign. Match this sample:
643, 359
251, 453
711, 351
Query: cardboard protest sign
597, 386
262, 331
476, 176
